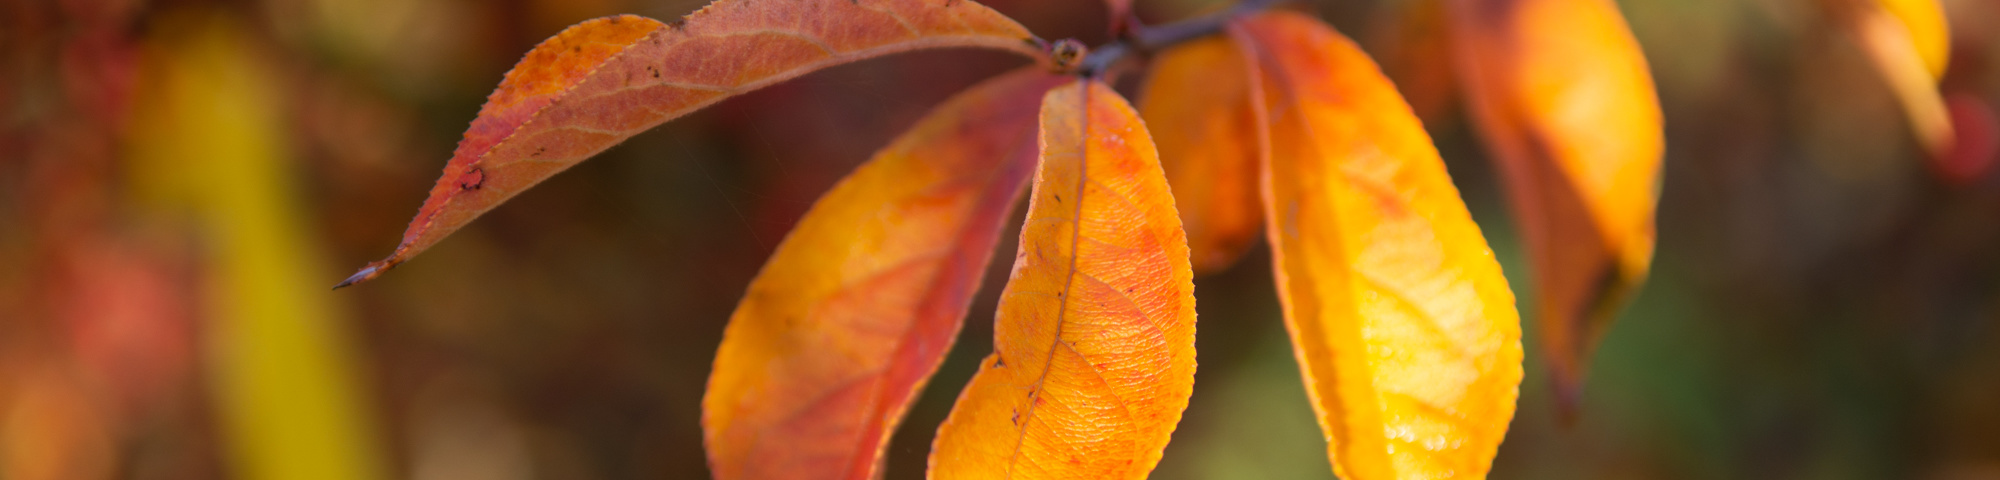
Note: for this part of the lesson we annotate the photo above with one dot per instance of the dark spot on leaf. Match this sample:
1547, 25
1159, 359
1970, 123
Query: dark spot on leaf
472, 179
999, 361
538, 151
1058, 198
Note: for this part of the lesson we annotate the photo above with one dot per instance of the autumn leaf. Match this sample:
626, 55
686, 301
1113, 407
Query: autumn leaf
1929, 34
1908, 43
1564, 99
1197, 103
604, 80
1094, 342
1404, 328
860, 303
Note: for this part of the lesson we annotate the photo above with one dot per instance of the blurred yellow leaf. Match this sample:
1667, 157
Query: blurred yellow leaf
1403, 326
207, 139
1565, 101
1924, 19
1908, 42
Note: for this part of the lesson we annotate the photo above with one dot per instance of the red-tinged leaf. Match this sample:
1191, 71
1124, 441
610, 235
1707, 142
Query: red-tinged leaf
860, 303
1094, 343
1903, 41
604, 80
1197, 103
1404, 328
1564, 99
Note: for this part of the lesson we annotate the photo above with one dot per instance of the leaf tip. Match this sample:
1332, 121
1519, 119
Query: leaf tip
367, 273
1569, 401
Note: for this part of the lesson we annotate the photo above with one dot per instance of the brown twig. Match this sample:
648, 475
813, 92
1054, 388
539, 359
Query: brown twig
1148, 39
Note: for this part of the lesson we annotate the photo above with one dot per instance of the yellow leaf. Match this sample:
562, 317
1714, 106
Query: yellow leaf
1404, 328
860, 303
1907, 42
208, 139
1564, 99
1197, 105
1094, 343
1924, 20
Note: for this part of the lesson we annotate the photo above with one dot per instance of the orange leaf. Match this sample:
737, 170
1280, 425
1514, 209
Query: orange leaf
1404, 328
1563, 97
1907, 41
1094, 343
1197, 101
853, 313
604, 80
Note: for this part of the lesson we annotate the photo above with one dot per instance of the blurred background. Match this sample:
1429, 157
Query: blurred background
181, 180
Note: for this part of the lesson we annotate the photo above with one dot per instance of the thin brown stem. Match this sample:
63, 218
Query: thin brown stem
1143, 39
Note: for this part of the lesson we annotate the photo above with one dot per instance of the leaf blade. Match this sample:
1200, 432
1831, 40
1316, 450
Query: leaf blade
1097, 323
565, 103
1563, 97
1196, 101
882, 268
1909, 45
1404, 328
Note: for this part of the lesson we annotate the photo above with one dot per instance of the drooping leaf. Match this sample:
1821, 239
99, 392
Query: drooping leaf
1566, 104
1196, 102
604, 80
1404, 328
1907, 42
1094, 342
858, 306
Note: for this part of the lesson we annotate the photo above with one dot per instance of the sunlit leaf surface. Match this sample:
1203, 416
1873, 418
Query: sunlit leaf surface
1094, 353
860, 303
1403, 326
